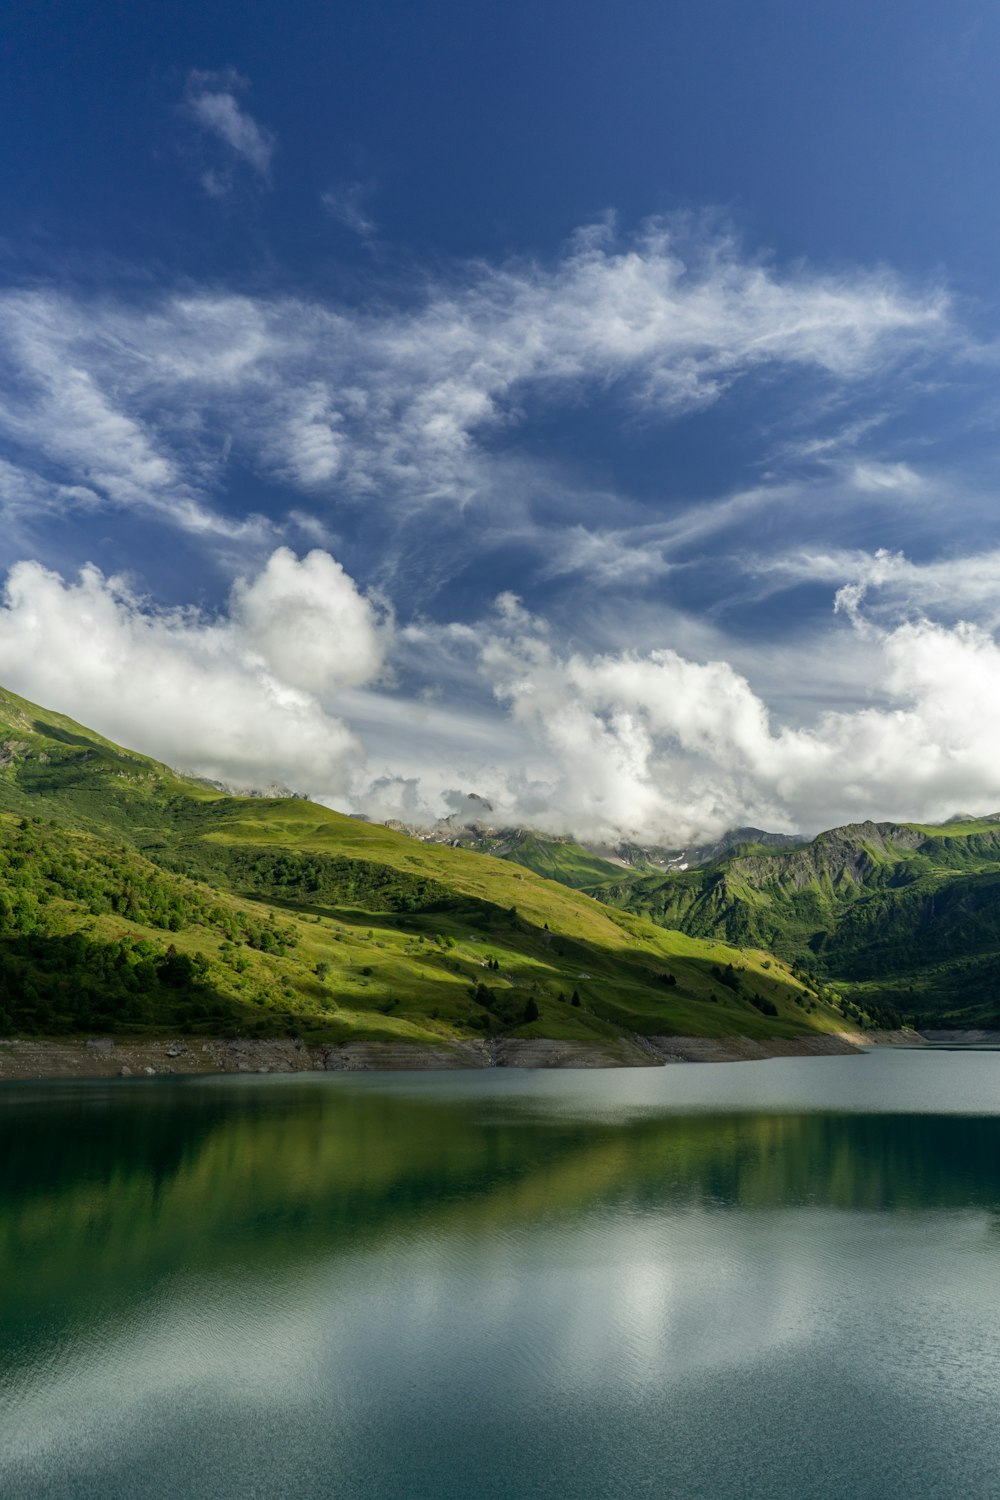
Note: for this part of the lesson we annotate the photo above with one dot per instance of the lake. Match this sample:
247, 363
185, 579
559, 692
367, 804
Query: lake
774, 1279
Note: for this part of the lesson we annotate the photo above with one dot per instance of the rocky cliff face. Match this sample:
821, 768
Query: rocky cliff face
857, 853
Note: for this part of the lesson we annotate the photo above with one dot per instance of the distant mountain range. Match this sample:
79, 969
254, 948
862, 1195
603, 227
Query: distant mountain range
577, 860
134, 897
903, 916
137, 900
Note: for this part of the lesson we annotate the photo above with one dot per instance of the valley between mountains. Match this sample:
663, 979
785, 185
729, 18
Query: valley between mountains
138, 904
901, 919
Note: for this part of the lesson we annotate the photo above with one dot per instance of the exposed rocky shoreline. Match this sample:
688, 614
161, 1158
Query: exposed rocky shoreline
980, 1039
106, 1057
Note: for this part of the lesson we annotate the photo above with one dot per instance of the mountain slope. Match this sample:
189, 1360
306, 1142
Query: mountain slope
907, 915
134, 898
583, 866
561, 860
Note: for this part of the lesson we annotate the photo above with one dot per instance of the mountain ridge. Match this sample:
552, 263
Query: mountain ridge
902, 916
135, 897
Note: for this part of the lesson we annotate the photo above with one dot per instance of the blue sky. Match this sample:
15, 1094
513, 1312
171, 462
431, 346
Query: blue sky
593, 407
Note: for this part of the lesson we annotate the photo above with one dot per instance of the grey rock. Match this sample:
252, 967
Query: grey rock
101, 1044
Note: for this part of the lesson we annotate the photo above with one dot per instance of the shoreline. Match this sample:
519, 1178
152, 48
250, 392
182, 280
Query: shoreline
107, 1057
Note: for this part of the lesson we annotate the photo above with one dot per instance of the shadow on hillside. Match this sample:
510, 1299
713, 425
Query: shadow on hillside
67, 737
590, 967
633, 985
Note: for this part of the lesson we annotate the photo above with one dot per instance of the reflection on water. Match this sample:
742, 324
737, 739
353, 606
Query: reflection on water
672, 1282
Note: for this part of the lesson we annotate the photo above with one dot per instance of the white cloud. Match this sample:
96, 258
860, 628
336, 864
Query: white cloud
833, 445
308, 452
308, 624
25, 493
398, 407
73, 410
610, 557
210, 100
412, 410
346, 205
888, 583
245, 697
652, 745
659, 747
885, 586
874, 477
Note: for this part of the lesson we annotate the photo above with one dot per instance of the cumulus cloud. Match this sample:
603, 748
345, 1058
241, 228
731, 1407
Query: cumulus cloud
372, 416
211, 100
400, 406
659, 747
247, 696
308, 624
288, 684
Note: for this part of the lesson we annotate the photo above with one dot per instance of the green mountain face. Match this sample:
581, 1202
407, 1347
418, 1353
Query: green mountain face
135, 900
906, 917
586, 868
556, 859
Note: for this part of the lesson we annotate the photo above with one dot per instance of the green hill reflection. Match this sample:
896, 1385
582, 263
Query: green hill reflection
109, 1188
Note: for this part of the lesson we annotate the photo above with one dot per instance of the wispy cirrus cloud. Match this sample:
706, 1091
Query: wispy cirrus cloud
405, 407
24, 493
346, 204
875, 478
76, 423
887, 585
611, 556
212, 101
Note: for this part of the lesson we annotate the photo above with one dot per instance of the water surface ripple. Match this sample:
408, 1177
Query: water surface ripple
753, 1280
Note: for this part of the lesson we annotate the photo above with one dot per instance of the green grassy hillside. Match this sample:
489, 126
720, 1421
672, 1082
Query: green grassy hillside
134, 899
905, 916
556, 859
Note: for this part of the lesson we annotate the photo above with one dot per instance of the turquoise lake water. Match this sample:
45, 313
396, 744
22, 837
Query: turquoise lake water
774, 1280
